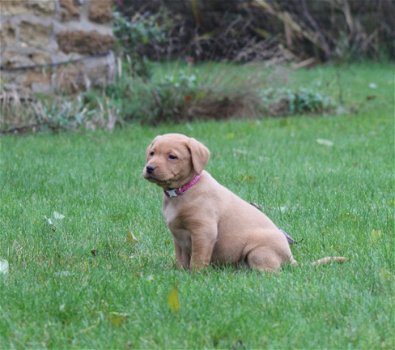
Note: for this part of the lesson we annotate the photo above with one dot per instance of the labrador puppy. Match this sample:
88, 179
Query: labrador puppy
209, 223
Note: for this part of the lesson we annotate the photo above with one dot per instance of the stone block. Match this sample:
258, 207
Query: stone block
7, 35
85, 43
18, 7
40, 58
13, 8
100, 11
34, 34
13, 59
42, 7
37, 78
69, 10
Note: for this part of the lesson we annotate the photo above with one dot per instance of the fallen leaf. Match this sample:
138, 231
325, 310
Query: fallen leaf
283, 209
49, 221
64, 273
237, 151
58, 216
376, 235
131, 238
386, 275
150, 278
4, 267
238, 345
124, 257
173, 301
325, 142
247, 178
17, 248
117, 318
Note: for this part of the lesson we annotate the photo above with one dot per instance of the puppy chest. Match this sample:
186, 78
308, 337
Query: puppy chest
178, 228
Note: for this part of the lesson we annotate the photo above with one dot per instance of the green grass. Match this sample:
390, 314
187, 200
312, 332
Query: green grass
337, 200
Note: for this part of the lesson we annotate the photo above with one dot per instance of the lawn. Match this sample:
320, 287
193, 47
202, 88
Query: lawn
100, 276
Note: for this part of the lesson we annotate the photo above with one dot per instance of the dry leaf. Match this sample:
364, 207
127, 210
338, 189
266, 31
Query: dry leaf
238, 151
386, 275
375, 235
64, 273
117, 318
131, 237
247, 178
49, 221
173, 301
325, 142
58, 216
150, 278
4, 267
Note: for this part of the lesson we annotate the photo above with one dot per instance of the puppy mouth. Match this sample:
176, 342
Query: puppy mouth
155, 179
150, 177
165, 183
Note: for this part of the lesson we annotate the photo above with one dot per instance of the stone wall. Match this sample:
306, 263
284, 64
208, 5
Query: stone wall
55, 46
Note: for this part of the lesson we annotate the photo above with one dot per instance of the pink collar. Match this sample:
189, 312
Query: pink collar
178, 191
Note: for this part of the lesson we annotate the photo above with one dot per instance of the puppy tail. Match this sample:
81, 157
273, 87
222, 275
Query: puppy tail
329, 260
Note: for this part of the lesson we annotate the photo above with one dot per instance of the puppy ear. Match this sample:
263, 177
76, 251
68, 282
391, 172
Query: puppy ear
150, 146
199, 153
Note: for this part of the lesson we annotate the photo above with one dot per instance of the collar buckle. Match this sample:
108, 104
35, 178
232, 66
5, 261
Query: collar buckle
172, 193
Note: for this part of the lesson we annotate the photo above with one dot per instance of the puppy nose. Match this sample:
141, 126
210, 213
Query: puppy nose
150, 169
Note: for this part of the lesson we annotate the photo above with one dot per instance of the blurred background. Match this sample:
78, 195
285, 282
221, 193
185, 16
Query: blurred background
281, 30
67, 64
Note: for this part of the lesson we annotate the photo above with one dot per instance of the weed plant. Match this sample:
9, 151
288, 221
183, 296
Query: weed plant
174, 92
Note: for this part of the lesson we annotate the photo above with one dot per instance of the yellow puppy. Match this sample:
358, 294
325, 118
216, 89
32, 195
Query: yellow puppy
209, 223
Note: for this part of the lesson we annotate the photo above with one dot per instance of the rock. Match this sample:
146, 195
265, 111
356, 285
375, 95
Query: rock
100, 11
68, 10
42, 7
34, 34
7, 34
91, 43
13, 8
18, 7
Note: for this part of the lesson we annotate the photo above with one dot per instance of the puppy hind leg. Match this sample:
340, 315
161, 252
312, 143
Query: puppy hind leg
263, 259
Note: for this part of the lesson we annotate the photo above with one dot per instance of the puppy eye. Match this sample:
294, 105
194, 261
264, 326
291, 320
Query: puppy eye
151, 153
172, 156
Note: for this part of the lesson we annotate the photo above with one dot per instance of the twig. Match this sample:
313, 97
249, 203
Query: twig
286, 18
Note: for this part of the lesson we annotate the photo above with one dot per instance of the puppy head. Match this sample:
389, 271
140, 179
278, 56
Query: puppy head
174, 159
